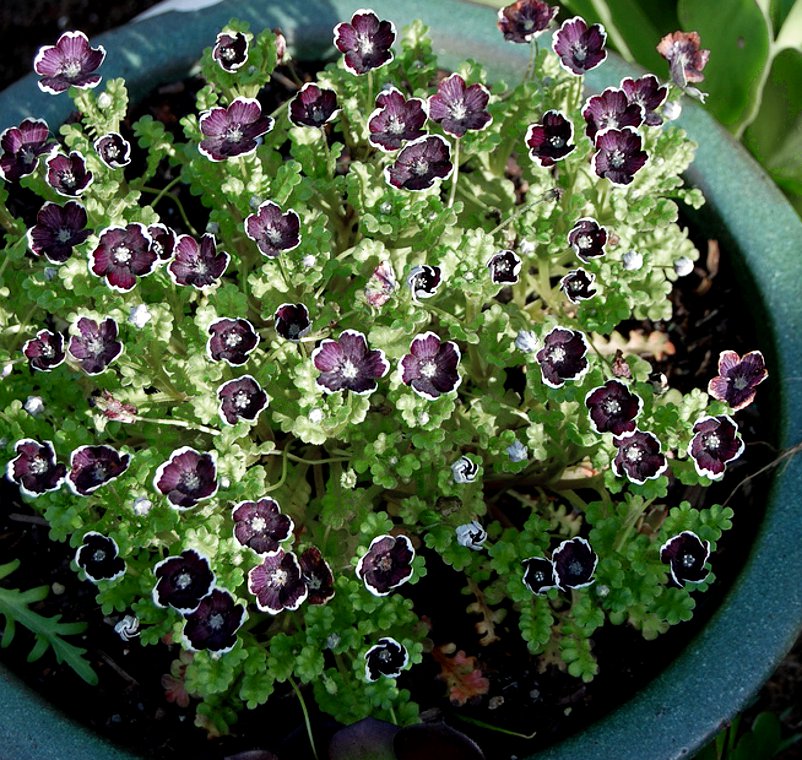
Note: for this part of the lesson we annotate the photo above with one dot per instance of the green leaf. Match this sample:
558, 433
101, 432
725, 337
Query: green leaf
790, 34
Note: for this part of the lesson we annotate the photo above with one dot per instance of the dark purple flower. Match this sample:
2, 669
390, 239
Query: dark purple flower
686, 555
123, 254
94, 466
163, 240
35, 469
715, 443
99, 557
684, 53
457, 108
611, 109
231, 340
114, 150
539, 575
549, 140
68, 175
588, 238
430, 367
233, 131
96, 345
22, 146
387, 658
420, 163
613, 408
386, 565
261, 526
619, 155
649, 94
230, 50
424, 280
396, 120
639, 457
187, 477
200, 266
71, 62
272, 230
292, 321
348, 364
214, 625
574, 564
182, 581
241, 399
317, 576
525, 20
366, 41
738, 378
504, 267
578, 285
313, 106
580, 47
563, 357
58, 230
278, 583
46, 351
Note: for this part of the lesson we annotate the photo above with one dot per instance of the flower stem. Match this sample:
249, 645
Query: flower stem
166, 189
307, 722
178, 423
454, 179
547, 196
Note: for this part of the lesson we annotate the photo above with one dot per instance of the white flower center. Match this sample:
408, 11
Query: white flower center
228, 53
428, 369
617, 158
611, 406
112, 151
349, 370
38, 466
364, 44
67, 178
48, 351
273, 235
458, 110
739, 383
633, 453
279, 577
712, 441
420, 166
385, 562
216, 621
99, 472
71, 68
584, 241
258, 524
183, 580
556, 141
94, 345
396, 126
557, 354
99, 555
234, 133
575, 567
63, 235
190, 480
122, 255
539, 576
241, 400
688, 560
232, 339
579, 51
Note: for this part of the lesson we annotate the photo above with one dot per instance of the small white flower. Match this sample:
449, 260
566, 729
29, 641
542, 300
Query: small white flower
393, 460
464, 470
348, 479
672, 110
316, 416
254, 202
142, 505
139, 315
602, 590
526, 341
308, 260
632, 261
423, 418
104, 101
517, 452
127, 628
225, 483
332, 640
471, 535
386, 207
34, 405
683, 266
526, 247
6, 371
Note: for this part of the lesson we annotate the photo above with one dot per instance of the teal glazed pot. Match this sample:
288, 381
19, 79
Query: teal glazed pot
761, 615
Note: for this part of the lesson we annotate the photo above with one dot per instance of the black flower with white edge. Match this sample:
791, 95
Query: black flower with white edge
639, 457
716, 442
611, 109
578, 285
163, 240
199, 266
396, 120
317, 576
213, 626
525, 20
738, 378
292, 321
277, 583
35, 469
563, 357
272, 230
504, 267
114, 150
458, 108
549, 140
22, 147
464, 470
182, 581
649, 94
386, 659
231, 341
58, 230
574, 564
187, 477
99, 557
45, 352
71, 62
539, 575
94, 345
261, 526
366, 42
233, 131
424, 280
94, 466
313, 106
686, 555
430, 367
588, 238
349, 364
420, 164
386, 565
471, 535
613, 408
580, 47
619, 155
68, 175
230, 50
122, 254
241, 399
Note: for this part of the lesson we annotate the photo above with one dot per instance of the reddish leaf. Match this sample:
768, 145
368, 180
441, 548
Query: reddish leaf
461, 673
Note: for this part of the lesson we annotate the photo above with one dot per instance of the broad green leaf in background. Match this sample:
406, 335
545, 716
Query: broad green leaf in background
790, 32
778, 11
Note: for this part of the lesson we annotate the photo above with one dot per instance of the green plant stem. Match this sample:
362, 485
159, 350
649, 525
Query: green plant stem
548, 195
491, 727
327, 153
393, 716
307, 722
166, 189
7, 221
283, 477
178, 423
455, 176
369, 105
634, 515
